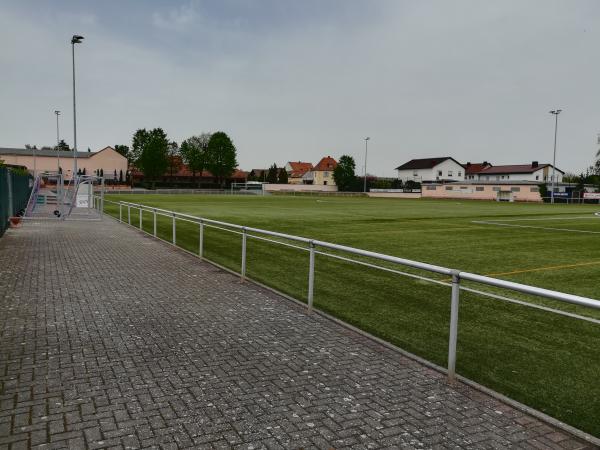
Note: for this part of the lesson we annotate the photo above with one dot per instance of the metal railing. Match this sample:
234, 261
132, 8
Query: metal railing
312, 246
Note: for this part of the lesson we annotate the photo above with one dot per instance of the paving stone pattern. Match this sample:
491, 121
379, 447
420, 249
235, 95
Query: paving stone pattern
111, 339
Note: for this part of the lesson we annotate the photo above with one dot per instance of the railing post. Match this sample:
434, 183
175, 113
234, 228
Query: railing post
141, 212
154, 221
201, 240
174, 231
129, 214
243, 273
311, 276
121, 212
453, 325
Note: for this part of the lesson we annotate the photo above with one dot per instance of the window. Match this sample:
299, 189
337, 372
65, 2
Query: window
324, 183
325, 174
459, 173
450, 173
507, 177
431, 188
415, 174
537, 177
534, 189
496, 189
479, 188
439, 173
515, 189
503, 177
463, 187
448, 188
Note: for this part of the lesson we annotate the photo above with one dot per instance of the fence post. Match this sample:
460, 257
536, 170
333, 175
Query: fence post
154, 221
174, 231
120, 212
243, 273
201, 240
453, 325
311, 276
141, 212
129, 214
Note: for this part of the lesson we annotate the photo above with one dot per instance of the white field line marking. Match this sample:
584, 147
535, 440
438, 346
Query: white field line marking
483, 222
551, 218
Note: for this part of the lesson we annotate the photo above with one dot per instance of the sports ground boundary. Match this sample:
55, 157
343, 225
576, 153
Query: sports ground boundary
575, 432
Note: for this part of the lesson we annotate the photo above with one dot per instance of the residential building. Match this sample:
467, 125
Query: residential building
472, 169
107, 160
521, 172
428, 170
509, 191
321, 173
296, 170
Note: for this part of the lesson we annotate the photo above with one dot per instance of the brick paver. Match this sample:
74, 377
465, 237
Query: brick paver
110, 339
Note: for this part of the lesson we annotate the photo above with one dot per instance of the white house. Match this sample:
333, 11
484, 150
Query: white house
426, 170
521, 172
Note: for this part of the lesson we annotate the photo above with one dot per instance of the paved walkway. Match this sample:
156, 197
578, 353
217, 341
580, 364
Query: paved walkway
112, 339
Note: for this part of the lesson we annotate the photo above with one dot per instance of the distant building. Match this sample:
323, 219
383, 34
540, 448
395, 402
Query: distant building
428, 170
297, 170
321, 173
107, 160
472, 169
521, 172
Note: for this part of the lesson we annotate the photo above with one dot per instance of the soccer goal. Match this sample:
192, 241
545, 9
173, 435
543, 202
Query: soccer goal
250, 187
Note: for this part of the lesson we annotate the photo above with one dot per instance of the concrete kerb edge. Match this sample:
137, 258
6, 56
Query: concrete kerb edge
466, 381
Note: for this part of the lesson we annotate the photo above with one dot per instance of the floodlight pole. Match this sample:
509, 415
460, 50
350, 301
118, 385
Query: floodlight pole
556, 112
57, 142
365, 177
76, 39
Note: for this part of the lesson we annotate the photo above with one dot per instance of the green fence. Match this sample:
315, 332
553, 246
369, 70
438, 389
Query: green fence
14, 193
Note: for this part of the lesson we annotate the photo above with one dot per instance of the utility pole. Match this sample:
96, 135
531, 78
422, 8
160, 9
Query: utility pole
556, 112
365, 177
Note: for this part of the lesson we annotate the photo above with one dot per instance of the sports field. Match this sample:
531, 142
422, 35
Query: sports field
547, 361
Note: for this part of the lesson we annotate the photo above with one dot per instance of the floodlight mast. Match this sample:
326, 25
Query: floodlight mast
76, 39
555, 112
365, 174
57, 112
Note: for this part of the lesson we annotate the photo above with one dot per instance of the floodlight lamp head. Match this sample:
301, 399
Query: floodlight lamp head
367, 138
57, 112
76, 39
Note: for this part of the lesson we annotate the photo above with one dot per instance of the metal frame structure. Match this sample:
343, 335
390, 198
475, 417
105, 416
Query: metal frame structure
313, 247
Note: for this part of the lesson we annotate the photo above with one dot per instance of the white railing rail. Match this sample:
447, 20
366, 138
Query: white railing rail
311, 246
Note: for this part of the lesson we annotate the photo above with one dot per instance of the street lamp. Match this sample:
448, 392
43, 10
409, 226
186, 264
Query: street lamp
366, 150
76, 39
57, 141
556, 112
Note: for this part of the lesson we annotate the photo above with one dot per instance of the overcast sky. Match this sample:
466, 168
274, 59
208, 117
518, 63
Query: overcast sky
310, 78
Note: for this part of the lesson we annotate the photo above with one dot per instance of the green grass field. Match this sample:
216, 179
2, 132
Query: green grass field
544, 360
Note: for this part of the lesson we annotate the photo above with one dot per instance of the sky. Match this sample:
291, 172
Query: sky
299, 80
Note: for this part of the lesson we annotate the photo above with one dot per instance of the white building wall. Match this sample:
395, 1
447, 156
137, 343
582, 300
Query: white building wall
446, 170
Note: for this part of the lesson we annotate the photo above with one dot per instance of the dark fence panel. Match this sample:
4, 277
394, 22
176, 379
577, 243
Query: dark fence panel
14, 193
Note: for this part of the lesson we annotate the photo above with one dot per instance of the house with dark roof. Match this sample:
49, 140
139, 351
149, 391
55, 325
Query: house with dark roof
427, 170
521, 172
321, 173
472, 169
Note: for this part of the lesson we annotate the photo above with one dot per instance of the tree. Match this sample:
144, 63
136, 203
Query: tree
140, 138
194, 153
120, 175
343, 174
62, 146
272, 174
153, 160
221, 156
83, 173
283, 176
123, 150
174, 157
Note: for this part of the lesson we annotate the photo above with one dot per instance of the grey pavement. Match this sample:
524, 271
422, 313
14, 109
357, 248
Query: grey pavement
111, 339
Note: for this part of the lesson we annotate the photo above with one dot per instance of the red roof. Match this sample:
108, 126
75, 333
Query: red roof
517, 168
299, 168
472, 168
327, 163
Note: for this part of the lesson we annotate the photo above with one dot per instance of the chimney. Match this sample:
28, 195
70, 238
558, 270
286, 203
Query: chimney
485, 163
534, 164
468, 164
